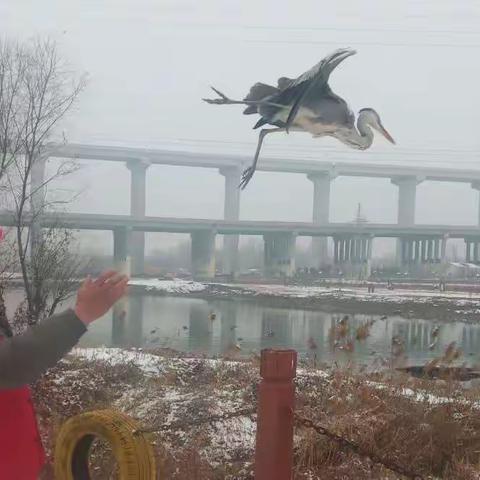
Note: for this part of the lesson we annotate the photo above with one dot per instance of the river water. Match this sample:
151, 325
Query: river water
213, 327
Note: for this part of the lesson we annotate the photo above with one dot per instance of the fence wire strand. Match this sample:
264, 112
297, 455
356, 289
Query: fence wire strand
357, 449
300, 421
245, 412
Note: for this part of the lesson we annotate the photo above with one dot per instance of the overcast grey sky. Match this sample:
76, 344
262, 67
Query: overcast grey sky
151, 61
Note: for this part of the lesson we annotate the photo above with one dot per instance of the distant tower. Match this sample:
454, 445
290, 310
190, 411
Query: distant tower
360, 218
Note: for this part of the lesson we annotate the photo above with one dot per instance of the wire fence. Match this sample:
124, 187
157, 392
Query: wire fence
300, 422
348, 445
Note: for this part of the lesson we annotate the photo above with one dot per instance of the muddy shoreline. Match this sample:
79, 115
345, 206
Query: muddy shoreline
433, 308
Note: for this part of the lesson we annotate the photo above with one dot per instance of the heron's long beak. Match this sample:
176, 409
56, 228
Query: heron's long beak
385, 133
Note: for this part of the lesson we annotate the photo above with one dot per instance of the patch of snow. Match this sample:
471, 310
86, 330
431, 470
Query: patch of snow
147, 363
168, 286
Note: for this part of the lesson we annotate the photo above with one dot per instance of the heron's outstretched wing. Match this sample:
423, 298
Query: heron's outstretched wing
315, 78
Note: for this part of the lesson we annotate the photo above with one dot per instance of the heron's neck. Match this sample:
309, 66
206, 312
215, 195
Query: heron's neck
364, 135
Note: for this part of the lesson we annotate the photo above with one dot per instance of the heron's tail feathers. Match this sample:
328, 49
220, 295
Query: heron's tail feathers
258, 92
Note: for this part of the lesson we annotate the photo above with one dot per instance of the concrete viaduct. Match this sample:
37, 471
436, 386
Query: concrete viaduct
353, 242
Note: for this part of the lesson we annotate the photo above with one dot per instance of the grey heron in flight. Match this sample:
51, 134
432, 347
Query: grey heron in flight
307, 104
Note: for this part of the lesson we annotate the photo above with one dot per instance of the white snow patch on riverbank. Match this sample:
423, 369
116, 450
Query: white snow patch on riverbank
147, 363
168, 286
151, 364
381, 295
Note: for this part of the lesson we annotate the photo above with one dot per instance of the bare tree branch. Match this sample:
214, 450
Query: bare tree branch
36, 92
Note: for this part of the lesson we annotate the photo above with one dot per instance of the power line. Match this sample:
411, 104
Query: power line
362, 29
363, 43
389, 29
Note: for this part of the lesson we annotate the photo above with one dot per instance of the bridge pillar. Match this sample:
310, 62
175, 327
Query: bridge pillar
417, 250
429, 250
121, 249
203, 254
411, 251
355, 251
422, 250
321, 213
443, 249
279, 254
37, 199
231, 211
468, 250
472, 250
407, 196
121, 263
476, 186
138, 174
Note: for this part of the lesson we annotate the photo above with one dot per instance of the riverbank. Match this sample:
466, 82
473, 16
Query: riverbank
418, 424
407, 303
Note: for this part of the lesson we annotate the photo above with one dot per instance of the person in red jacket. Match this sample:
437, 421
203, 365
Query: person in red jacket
24, 358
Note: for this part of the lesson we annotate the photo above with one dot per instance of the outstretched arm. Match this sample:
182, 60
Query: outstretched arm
25, 357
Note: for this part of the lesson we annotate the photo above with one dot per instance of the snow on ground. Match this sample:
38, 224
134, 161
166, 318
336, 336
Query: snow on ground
381, 295
168, 286
154, 365
148, 363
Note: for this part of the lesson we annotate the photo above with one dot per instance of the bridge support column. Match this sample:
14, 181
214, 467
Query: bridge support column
138, 174
424, 250
472, 250
369, 255
468, 252
476, 186
355, 251
429, 250
436, 250
416, 253
279, 254
411, 251
321, 213
231, 211
121, 263
407, 196
203, 254
37, 199
443, 249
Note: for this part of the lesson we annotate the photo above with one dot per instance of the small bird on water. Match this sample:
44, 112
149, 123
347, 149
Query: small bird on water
307, 104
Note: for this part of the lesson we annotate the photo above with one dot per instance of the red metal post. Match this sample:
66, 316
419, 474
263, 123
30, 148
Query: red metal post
276, 404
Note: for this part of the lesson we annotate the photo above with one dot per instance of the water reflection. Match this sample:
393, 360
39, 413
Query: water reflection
188, 324
135, 321
212, 327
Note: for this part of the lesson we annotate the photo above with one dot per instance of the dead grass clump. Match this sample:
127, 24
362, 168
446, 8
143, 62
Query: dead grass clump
426, 436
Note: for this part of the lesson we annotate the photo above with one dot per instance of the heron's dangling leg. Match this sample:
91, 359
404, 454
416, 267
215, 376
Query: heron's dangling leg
248, 173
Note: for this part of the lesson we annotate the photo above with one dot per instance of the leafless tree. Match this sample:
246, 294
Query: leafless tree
12, 74
39, 90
